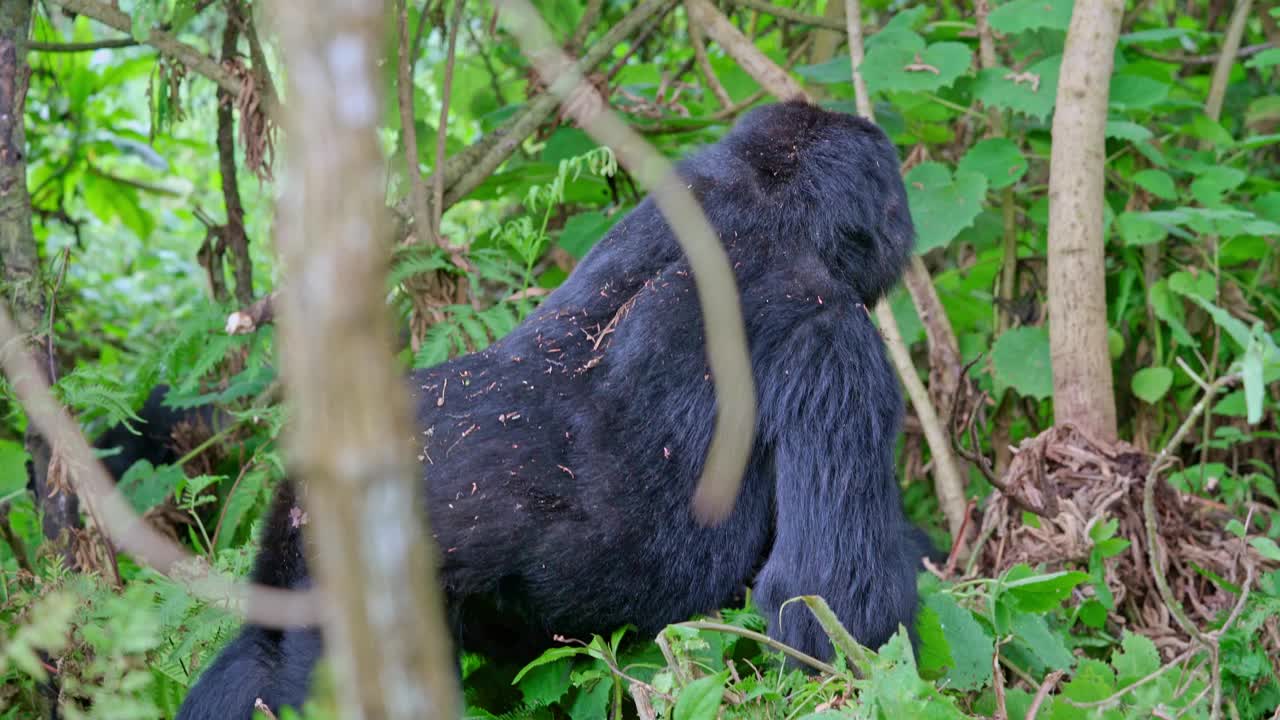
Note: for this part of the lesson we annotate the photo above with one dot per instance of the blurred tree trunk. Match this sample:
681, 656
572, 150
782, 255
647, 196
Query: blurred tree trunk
351, 440
19, 257
1082, 382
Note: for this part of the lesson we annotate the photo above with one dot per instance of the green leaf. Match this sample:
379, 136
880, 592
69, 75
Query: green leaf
1020, 360
1093, 614
1033, 632
935, 653
700, 699
546, 683
146, 486
941, 205
1136, 228
1103, 530
1156, 182
1267, 548
831, 72
1237, 528
1093, 681
997, 159
1031, 92
13, 468
1136, 659
907, 65
1265, 59
1132, 92
582, 231
970, 646
1251, 373
1151, 384
591, 703
1043, 592
1125, 130
1238, 331
548, 657
1022, 15
1214, 182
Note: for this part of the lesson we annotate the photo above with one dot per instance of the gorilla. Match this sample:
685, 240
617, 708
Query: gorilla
153, 439
561, 461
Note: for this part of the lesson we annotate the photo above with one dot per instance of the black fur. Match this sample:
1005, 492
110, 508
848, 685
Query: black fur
560, 462
152, 438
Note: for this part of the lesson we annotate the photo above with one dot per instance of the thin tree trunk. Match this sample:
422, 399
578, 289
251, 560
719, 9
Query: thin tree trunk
385, 631
19, 256
1082, 382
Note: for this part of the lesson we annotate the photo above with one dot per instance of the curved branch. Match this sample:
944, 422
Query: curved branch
715, 284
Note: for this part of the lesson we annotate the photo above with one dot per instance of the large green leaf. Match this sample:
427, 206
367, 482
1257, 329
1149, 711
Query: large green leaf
700, 699
1031, 92
998, 159
908, 65
1022, 15
942, 205
1020, 360
968, 644
1151, 384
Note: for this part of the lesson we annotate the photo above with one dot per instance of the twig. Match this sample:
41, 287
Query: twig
1222, 67
53, 47
422, 214
1209, 59
765, 640
790, 15
704, 64
445, 93
1050, 681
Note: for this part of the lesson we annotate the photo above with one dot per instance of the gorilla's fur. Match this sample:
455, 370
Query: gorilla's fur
561, 461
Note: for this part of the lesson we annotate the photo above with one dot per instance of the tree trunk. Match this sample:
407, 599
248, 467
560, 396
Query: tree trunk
19, 257
1082, 383
350, 441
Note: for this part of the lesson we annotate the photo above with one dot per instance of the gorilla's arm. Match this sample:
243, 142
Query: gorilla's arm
833, 411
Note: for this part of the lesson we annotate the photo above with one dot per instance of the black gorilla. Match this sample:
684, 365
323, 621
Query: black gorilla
561, 461
153, 438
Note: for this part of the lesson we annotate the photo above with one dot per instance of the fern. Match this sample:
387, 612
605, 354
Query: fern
91, 393
418, 260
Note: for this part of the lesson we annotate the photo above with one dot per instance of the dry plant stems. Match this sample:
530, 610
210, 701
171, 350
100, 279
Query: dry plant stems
1227, 58
948, 480
765, 640
1082, 383
350, 438
267, 606
1208, 640
717, 289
